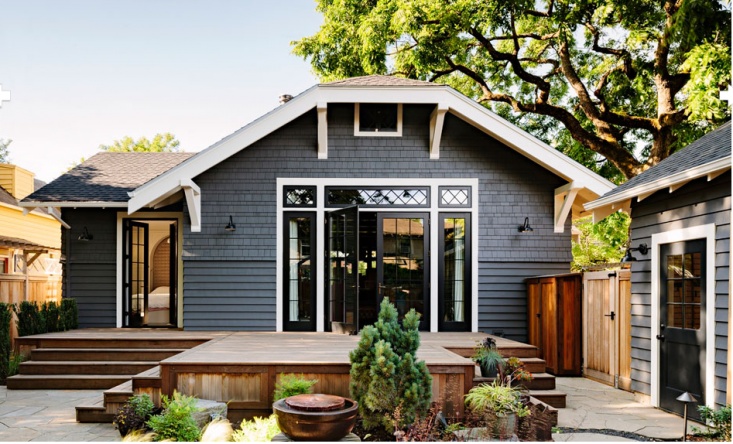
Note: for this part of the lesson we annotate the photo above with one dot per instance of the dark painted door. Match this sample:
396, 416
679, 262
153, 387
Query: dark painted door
135, 273
454, 254
403, 262
173, 281
299, 272
342, 270
682, 327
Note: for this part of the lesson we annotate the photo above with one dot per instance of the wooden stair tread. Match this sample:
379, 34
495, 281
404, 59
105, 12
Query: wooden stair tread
68, 363
116, 350
125, 387
151, 373
70, 376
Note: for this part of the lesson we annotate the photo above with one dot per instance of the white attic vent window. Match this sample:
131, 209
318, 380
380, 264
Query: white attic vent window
378, 119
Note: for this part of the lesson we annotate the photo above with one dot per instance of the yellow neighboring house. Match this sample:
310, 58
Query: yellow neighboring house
33, 239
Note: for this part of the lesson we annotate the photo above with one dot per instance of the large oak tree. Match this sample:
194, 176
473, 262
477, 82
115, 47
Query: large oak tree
631, 81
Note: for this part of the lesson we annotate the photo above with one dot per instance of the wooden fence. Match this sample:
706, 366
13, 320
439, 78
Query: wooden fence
15, 288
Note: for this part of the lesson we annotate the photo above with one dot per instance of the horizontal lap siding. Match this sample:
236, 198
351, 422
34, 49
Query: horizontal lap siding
90, 268
511, 188
697, 203
229, 295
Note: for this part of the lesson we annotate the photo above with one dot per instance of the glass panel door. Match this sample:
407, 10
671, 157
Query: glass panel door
342, 270
135, 278
403, 262
454, 252
299, 263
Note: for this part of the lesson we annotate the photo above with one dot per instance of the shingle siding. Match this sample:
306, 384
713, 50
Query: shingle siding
512, 187
698, 203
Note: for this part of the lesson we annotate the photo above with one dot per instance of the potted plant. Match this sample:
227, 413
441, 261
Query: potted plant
488, 358
502, 402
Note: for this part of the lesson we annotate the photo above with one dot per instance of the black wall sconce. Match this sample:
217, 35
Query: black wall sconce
230, 226
85, 236
643, 249
525, 228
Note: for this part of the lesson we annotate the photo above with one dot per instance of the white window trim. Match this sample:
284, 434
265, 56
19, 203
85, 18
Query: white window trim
706, 232
434, 210
358, 132
149, 215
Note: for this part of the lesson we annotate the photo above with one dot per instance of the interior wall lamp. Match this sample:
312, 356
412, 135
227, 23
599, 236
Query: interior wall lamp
85, 236
643, 249
525, 228
230, 226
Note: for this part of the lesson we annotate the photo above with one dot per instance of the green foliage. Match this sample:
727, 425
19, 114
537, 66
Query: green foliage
257, 430
385, 376
718, 421
4, 153
52, 315
176, 423
134, 414
601, 68
488, 358
14, 363
30, 319
291, 385
6, 318
161, 143
70, 313
601, 243
497, 398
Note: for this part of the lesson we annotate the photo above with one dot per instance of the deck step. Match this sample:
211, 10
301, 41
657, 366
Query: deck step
534, 365
119, 394
539, 381
103, 354
554, 398
114, 343
76, 382
94, 412
84, 367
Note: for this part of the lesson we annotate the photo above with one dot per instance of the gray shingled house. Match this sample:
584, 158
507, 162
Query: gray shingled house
680, 238
306, 218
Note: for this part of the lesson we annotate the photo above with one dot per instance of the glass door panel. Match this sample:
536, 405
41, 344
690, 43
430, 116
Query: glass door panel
342, 270
299, 263
454, 291
403, 262
135, 273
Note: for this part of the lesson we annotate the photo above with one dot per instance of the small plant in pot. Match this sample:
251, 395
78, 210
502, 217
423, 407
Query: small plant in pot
488, 358
500, 402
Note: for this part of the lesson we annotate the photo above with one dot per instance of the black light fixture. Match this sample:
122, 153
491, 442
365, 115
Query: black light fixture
85, 236
230, 226
686, 398
643, 249
525, 228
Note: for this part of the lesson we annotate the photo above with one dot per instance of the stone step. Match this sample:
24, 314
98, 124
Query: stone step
77, 382
103, 354
84, 367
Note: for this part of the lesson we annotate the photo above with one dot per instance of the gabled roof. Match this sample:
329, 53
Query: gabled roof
380, 80
707, 155
107, 177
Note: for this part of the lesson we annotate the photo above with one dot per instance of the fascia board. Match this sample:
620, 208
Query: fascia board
86, 204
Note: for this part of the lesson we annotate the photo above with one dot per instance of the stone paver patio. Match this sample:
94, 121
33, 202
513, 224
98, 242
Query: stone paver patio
592, 405
48, 415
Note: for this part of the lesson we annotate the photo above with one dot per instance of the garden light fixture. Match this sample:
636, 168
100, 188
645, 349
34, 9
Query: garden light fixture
686, 398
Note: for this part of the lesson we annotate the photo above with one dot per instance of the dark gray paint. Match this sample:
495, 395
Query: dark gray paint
698, 203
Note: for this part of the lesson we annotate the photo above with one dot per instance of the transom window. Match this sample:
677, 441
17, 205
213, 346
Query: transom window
378, 197
683, 290
457, 197
299, 197
378, 119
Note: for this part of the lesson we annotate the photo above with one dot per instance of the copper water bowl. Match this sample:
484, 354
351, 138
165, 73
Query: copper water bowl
315, 420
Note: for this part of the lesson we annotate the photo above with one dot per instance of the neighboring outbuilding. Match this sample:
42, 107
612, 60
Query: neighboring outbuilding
680, 254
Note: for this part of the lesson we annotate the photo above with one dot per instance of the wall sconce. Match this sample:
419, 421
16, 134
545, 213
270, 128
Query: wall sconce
85, 236
525, 228
643, 249
230, 226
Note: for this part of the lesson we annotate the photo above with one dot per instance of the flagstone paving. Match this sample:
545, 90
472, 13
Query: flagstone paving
48, 415
592, 405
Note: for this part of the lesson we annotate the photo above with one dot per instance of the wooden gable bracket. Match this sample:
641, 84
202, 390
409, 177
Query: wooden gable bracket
36, 255
564, 199
715, 174
322, 108
193, 200
437, 117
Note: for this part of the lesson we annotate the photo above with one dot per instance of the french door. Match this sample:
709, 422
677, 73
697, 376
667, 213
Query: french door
135, 273
300, 271
403, 262
682, 343
342, 270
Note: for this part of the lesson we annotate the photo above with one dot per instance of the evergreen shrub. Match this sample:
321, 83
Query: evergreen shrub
6, 317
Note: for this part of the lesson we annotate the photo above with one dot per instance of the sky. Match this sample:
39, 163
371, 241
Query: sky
85, 73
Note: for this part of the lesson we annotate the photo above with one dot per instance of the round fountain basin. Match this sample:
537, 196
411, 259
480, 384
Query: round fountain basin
316, 417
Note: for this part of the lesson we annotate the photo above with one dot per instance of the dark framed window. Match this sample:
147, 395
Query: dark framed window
455, 197
684, 289
454, 281
416, 197
299, 196
299, 271
384, 119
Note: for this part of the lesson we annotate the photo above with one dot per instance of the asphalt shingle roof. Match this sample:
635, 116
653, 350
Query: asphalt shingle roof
380, 80
709, 148
107, 177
